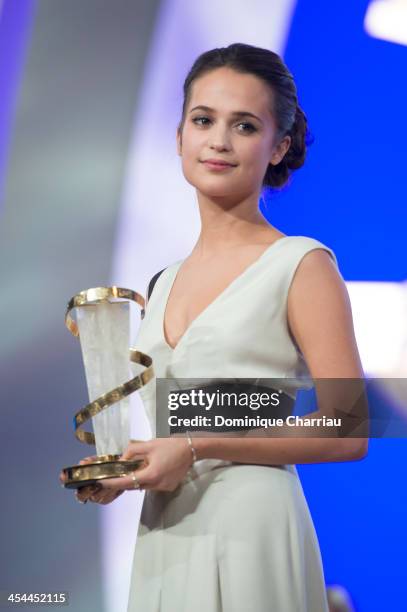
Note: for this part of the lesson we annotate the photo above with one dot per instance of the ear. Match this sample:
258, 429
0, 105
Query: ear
280, 150
179, 141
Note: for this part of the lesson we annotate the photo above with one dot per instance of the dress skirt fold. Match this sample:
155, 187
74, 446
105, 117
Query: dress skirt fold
233, 539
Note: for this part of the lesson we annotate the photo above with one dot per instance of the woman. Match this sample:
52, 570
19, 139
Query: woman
234, 533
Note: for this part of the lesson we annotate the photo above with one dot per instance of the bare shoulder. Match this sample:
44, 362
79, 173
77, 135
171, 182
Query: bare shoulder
318, 267
320, 318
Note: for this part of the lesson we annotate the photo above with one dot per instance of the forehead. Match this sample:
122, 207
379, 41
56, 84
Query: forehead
226, 90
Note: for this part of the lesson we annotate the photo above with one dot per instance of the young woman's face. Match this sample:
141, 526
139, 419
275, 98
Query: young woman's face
217, 131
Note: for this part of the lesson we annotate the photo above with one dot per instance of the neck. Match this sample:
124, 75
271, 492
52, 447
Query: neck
226, 224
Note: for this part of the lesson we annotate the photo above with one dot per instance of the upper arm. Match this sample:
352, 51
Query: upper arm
320, 318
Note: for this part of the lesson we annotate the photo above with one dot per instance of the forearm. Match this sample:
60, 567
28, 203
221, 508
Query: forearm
280, 450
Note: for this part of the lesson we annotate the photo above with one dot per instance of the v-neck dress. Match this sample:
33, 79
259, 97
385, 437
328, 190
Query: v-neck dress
233, 537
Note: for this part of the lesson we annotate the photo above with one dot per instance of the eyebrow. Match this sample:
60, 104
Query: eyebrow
234, 113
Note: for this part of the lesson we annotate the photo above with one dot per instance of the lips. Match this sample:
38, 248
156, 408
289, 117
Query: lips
218, 162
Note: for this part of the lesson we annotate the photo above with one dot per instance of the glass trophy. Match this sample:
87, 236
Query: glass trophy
102, 323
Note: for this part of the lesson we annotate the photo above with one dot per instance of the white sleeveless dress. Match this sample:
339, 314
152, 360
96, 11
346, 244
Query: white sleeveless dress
236, 537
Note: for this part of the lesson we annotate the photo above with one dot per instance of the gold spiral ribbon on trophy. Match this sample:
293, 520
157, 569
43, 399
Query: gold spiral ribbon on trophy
103, 294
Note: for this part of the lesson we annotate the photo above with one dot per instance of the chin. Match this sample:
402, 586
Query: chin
216, 192
211, 187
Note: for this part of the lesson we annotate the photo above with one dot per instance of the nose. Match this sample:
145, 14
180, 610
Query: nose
219, 139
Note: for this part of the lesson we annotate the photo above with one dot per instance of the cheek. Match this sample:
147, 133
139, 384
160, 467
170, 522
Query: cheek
191, 168
254, 153
260, 156
193, 148
192, 140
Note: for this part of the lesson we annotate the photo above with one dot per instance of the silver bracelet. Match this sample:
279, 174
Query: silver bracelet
193, 451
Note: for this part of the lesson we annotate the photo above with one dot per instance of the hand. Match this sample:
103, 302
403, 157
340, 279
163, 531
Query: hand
168, 461
93, 493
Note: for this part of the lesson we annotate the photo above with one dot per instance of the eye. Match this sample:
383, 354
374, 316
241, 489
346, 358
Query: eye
196, 119
250, 127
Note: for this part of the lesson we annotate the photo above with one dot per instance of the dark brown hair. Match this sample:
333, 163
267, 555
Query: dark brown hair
289, 116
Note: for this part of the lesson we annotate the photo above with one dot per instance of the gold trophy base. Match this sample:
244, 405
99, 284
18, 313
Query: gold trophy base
105, 466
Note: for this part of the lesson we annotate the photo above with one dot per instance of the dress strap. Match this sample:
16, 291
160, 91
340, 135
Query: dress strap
153, 282
150, 288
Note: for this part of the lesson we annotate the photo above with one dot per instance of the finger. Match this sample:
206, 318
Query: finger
105, 498
136, 449
105, 495
98, 497
116, 484
83, 496
143, 477
88, 459
112, 497
124, 482
83, 493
